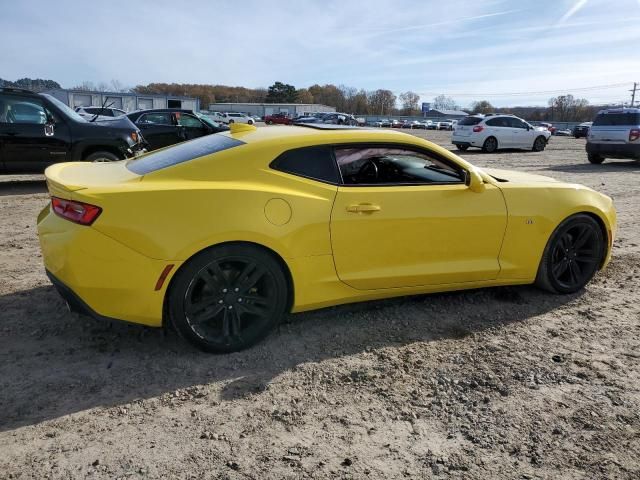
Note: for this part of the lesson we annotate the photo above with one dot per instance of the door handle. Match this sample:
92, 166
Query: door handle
363, 208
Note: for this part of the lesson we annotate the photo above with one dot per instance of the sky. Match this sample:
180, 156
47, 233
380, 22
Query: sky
506, 51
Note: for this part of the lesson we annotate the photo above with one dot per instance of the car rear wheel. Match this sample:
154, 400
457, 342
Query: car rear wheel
572, 256
228, 298
539, 144
102, 157
595, 158
490, 145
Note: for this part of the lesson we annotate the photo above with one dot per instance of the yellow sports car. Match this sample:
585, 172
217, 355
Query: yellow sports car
223, 235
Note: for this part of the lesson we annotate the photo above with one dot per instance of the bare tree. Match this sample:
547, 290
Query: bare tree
566, 108
442, 102
409, 102
482, 106
382, 102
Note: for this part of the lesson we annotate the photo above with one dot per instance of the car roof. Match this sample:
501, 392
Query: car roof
160, 110
619, 110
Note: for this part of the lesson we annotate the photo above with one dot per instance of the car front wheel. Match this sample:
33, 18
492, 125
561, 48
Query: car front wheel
572, 256
102, 157
228, 298
539, 144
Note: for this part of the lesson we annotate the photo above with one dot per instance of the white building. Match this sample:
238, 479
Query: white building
262, 109
129, 102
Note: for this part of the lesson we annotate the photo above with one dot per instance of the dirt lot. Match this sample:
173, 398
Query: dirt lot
497, 383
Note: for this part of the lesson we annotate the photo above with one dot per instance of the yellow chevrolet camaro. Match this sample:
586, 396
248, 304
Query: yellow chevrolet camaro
223, 235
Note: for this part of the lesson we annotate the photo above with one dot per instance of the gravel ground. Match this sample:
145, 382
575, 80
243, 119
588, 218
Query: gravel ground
495, 383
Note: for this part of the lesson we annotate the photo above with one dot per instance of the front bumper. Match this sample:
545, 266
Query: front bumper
100, 276
614, 150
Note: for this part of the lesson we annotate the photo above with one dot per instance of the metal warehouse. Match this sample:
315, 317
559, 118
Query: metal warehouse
262, 109
128, 102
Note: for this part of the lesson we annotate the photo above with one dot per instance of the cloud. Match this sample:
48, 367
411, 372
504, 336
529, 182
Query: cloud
575, 8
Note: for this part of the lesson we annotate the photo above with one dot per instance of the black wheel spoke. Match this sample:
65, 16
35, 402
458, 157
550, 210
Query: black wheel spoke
559, 268
253, 278
207, 314
250, 267
219, 274
236, 325
583, 236
254, 309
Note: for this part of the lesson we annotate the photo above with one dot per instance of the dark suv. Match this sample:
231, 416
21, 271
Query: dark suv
615, 133
37, 130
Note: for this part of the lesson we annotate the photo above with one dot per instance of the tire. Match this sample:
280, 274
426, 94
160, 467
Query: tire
231, 121
490, 145
462, 148
228, 298
102, 156
269, 122
250, 122
539, 144
595, 158
572, 256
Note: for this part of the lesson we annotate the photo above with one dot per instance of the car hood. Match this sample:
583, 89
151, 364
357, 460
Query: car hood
517, 177
117, 122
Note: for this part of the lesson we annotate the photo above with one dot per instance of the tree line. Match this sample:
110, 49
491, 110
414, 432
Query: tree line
564, 108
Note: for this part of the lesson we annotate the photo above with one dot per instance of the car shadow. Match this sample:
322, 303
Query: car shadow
478, 151
607, 166
22, 187
55, 363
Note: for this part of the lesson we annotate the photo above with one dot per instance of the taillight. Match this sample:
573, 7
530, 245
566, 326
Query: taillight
634, 134
478, 128
77, 212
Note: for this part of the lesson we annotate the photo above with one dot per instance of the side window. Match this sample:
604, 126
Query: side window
314, 162
393, 166
516, 123
21, 110
159, 118
187, 120
498, 122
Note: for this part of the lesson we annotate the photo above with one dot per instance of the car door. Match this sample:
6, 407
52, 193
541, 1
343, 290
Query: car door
521, 136
405, 217
31, 137
500, 128
191, 126
158, 129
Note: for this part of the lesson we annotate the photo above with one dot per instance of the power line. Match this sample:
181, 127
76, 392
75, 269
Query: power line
539, 92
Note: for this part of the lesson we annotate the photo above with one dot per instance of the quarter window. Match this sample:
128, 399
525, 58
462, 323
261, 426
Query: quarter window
392, 166
498, 122
314, 162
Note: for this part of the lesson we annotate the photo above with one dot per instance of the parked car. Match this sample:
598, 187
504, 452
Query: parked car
396, 124
374, 123
493, 132
385, 123
547, 126
615, 133
154, 241
445, 125
167, 126
563, 133
278, 119
38, 130
89, 112
417, 124
236, 117
582, 130
338, 118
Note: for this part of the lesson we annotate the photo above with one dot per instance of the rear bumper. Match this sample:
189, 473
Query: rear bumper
98, 275
616, 150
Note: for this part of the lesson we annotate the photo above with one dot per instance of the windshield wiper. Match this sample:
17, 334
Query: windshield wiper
102, 109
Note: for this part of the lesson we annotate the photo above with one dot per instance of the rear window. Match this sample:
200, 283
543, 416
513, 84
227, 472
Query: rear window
470, 121
617, 119
183, 152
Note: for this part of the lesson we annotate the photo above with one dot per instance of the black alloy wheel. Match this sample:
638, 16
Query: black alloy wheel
490, 145
572, 256
539, 144
228, 298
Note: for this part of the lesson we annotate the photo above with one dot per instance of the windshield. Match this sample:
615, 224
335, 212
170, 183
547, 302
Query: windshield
64, 108
207, 119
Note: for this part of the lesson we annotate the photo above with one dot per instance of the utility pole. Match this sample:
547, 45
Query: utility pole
633, 93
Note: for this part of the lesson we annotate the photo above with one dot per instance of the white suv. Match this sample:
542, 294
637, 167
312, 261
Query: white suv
233, 117
495, 131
